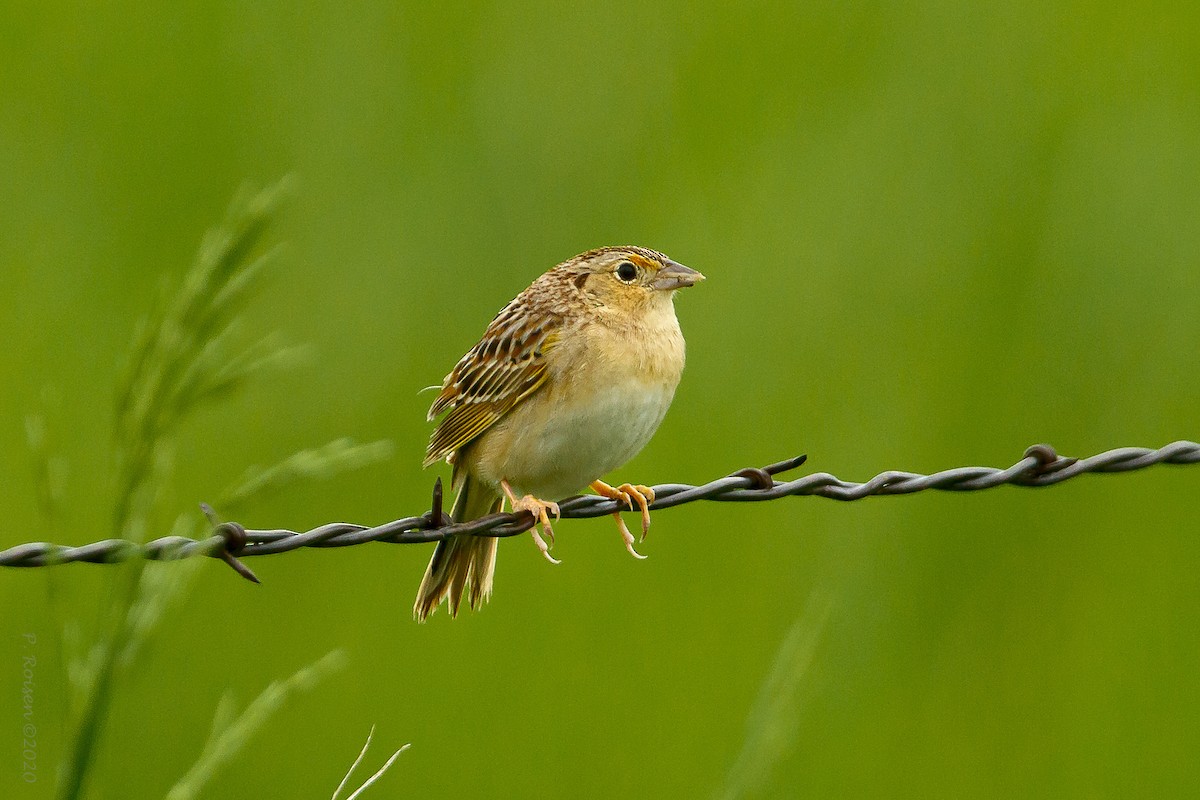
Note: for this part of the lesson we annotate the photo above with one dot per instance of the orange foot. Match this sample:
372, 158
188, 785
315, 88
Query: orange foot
538, 508
629, 494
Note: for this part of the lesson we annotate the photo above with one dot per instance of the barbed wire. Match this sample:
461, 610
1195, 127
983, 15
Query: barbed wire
1040, 466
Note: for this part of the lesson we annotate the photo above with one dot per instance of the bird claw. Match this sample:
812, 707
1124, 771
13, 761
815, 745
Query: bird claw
644, 496
637, 497
542, 546
538, 508
626, 536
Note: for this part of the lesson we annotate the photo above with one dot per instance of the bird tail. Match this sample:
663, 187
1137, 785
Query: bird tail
461, 563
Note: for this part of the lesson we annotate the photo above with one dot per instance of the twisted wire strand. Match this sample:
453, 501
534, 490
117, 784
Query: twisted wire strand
1040, 466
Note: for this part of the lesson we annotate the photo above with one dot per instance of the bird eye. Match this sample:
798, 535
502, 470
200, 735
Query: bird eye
626, 271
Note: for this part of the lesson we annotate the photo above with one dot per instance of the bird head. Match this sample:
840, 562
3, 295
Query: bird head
630, 278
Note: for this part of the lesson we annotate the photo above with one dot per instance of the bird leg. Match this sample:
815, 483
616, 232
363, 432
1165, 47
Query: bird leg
538, 508
629, 494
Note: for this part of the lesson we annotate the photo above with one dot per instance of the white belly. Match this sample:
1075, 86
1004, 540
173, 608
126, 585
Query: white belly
578, 443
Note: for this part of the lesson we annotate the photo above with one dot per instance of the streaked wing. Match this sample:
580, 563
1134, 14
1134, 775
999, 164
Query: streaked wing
506, 366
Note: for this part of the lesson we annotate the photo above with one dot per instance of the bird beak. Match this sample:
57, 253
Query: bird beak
675, 276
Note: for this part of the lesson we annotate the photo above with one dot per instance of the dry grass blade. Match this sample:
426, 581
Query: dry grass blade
361, 755
371, 780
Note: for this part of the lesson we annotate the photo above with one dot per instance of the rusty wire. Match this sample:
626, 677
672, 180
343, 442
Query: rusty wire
1040, 466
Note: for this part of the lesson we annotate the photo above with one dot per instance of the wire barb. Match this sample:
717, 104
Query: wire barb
232, 538
1040, 466
437, 518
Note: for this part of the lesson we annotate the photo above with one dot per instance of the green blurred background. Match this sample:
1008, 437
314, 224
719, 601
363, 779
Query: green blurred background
934, 234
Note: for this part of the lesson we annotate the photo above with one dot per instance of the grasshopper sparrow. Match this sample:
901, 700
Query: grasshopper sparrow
569, 382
